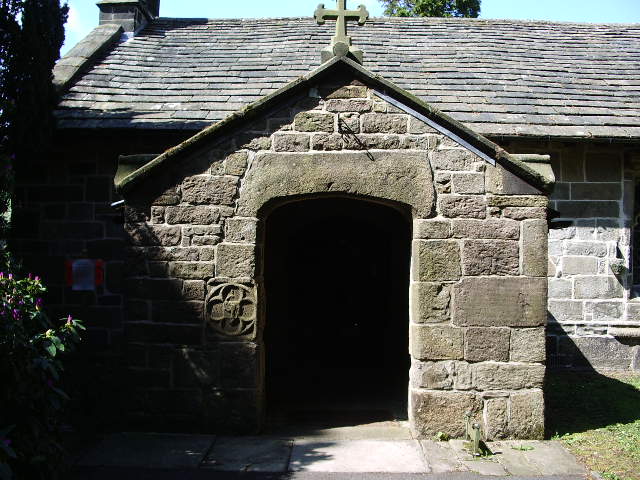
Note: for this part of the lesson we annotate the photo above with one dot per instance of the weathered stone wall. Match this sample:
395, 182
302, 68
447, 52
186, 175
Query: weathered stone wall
478, 290
591, 292
478, 304
62, 211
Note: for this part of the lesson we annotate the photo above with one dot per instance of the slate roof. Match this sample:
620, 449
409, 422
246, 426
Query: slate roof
498, 77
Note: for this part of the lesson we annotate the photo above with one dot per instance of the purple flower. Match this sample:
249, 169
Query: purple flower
69, 320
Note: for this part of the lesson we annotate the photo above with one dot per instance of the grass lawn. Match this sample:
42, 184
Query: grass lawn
597, 417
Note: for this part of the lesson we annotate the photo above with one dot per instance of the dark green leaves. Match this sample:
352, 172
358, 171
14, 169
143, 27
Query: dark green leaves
432, 8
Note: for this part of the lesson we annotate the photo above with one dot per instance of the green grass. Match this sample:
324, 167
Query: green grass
597, 417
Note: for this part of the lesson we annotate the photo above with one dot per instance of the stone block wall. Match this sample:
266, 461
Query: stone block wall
478, 283
478, 306
62, 211
591, 255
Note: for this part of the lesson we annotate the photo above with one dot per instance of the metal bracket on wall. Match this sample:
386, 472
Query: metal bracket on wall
436, 126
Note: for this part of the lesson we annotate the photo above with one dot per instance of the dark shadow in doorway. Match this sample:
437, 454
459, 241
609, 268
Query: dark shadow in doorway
336, 339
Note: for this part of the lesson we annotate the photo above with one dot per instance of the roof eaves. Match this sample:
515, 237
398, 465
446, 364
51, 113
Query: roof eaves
82, 56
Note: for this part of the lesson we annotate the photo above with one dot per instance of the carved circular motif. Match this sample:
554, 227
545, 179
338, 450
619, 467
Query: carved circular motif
231, 309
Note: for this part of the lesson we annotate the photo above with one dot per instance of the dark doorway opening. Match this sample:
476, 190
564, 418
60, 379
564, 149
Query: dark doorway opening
336, 337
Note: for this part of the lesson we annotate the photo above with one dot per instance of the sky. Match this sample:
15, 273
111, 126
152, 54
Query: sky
83, 15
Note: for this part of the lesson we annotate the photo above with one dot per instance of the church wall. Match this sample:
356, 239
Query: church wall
591, 254
62, 212
478, 283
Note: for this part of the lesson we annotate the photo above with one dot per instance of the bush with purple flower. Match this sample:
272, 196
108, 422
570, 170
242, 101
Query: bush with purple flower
30, 369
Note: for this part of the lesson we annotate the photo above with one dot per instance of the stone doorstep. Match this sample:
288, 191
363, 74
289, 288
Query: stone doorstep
300, 454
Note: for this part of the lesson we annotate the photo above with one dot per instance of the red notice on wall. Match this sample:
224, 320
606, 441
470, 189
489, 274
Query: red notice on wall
84, 274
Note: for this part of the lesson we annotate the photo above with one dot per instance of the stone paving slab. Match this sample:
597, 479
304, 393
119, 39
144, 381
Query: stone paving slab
274, 456
120, 473
403, 456
373, 431
439, 457
521, 458
513, 459
482, 465
547, 458
149, 451
249, 454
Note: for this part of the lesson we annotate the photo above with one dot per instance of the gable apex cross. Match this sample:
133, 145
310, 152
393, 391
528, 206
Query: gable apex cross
341, 44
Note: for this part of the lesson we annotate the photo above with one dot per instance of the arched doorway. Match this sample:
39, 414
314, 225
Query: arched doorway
336, 331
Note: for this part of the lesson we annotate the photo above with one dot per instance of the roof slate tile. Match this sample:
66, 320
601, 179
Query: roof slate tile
499, 77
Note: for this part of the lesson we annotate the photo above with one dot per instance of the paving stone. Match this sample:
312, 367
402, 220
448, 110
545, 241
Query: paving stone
149, 450
482, 466
357, 456
388, 430
440, 458
551, 458
515, 461
249, 454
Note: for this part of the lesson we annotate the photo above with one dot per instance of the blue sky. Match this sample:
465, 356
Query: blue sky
84, 13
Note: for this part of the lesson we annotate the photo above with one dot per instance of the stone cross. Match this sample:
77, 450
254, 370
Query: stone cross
341, 42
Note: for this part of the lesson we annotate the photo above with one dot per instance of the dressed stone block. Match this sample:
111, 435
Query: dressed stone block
235, 260
430, 302
437, 342
436, 260
505, 301
433, 412
526, 418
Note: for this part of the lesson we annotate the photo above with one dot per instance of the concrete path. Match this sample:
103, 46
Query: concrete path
371, 452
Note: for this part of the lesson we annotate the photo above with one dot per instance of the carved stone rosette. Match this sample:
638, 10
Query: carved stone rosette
231, 309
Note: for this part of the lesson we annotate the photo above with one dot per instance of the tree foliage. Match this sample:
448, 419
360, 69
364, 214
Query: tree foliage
30, 368
31, 34
432, 8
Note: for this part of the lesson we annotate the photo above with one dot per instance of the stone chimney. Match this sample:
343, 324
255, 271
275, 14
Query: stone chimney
132, 15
